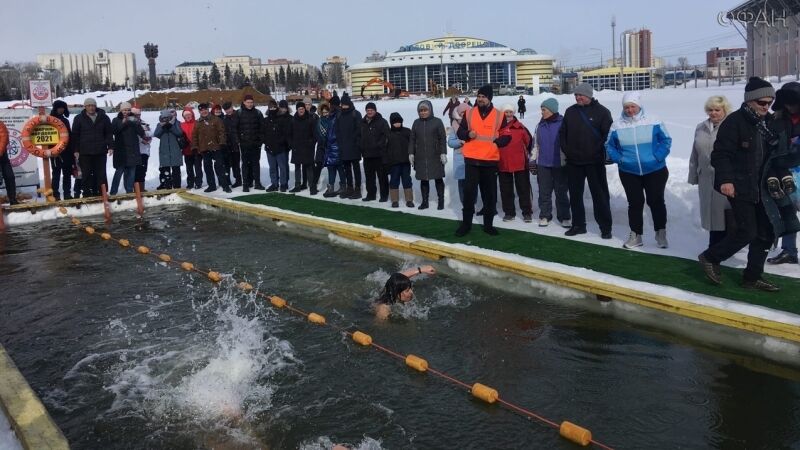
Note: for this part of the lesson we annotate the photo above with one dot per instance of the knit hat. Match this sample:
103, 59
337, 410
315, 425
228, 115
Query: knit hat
124, 105
371, 105
299, 105
283, 104
202, 106
90, 101
508, 107
632, 97
551, 104
335, 101
757, 88
346, 100
426, 104
307, 100
248, 97
227, 105
395, 118
584, 89
486, 90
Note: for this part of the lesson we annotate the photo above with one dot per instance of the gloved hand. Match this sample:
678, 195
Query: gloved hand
166, 126
411, 160
443, 158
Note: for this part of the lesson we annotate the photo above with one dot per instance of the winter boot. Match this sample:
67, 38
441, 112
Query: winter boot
408, 194
296, 188
788, 185
465, 226
356, 193
313, 189
440, 197
426, 189
488, 228
394, 194
774, 188
330, 192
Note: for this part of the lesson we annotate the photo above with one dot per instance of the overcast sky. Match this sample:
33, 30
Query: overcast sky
312, 30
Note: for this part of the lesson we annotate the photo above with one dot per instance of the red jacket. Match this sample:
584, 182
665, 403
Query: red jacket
188, 129
514, 156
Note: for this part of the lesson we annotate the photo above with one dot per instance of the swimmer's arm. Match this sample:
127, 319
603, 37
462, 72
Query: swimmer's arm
414, 271
382, 311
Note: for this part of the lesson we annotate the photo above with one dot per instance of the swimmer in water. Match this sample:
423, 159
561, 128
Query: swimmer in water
398, 289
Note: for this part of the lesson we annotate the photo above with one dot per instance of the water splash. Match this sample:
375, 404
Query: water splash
326, 443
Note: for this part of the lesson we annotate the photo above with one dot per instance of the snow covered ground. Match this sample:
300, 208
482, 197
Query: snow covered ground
8, 440
680, 108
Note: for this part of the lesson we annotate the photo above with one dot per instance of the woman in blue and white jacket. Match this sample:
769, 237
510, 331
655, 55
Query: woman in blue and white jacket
639, 145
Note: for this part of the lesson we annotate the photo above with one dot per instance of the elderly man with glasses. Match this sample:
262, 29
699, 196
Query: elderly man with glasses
743, 145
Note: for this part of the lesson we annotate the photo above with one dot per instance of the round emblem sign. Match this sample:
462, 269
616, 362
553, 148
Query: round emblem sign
40, 92
16, 153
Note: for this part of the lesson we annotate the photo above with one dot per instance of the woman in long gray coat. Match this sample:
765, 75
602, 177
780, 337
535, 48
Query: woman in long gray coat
170, 158
701, 173
427, 152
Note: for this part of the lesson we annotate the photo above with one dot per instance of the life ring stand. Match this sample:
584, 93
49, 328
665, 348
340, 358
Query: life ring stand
40, 151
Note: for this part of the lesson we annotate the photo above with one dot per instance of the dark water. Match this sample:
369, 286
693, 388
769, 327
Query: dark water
126, 353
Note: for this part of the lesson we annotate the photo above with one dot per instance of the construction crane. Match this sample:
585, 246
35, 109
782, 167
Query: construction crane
394, 92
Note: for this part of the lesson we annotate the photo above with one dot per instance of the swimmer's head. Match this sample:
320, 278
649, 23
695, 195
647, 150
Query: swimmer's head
397, 288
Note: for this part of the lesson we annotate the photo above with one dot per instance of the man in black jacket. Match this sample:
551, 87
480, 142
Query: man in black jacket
94, 140
582, 136
374, 139
276, 144
233, 154
348, 136
62, 164
251, 126
742, 146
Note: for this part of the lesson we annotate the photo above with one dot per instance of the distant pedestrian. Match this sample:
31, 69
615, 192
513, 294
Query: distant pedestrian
521, 107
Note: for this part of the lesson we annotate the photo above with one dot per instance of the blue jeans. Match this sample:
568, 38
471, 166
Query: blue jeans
129, 174
332, 171
278, 169
789, 244
398, 172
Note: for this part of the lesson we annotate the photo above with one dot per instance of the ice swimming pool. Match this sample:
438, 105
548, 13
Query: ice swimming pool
126, 353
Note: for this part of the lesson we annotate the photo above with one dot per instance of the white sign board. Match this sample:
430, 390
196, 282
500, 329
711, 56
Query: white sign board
25, 165
40, 93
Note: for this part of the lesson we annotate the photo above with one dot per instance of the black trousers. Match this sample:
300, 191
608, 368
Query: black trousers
233, 163
8, 178
169, 177
93, 168
374, 168
214, 161
352, 173
486, 178
595, 175
753, 229
645, 188
251, 166
317, 172
520, 180
194, 170
303, 174
62, 167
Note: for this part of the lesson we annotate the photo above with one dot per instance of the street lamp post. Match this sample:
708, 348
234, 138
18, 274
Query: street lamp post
601, 55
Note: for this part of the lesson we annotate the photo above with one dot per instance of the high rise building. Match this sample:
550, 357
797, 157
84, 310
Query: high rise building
637, 48
117, 68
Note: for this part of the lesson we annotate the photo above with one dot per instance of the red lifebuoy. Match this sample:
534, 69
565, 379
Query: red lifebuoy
3, 138
38, 150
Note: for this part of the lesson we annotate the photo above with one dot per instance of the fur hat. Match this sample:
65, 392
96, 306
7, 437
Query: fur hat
757, 88
508, 107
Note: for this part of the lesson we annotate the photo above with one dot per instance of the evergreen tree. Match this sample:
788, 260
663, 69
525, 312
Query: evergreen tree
203, 82
171, 80
228, 75
5, 95
281, 77
214, 79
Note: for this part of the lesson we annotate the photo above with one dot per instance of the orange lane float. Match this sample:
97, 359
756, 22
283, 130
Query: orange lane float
37, 144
